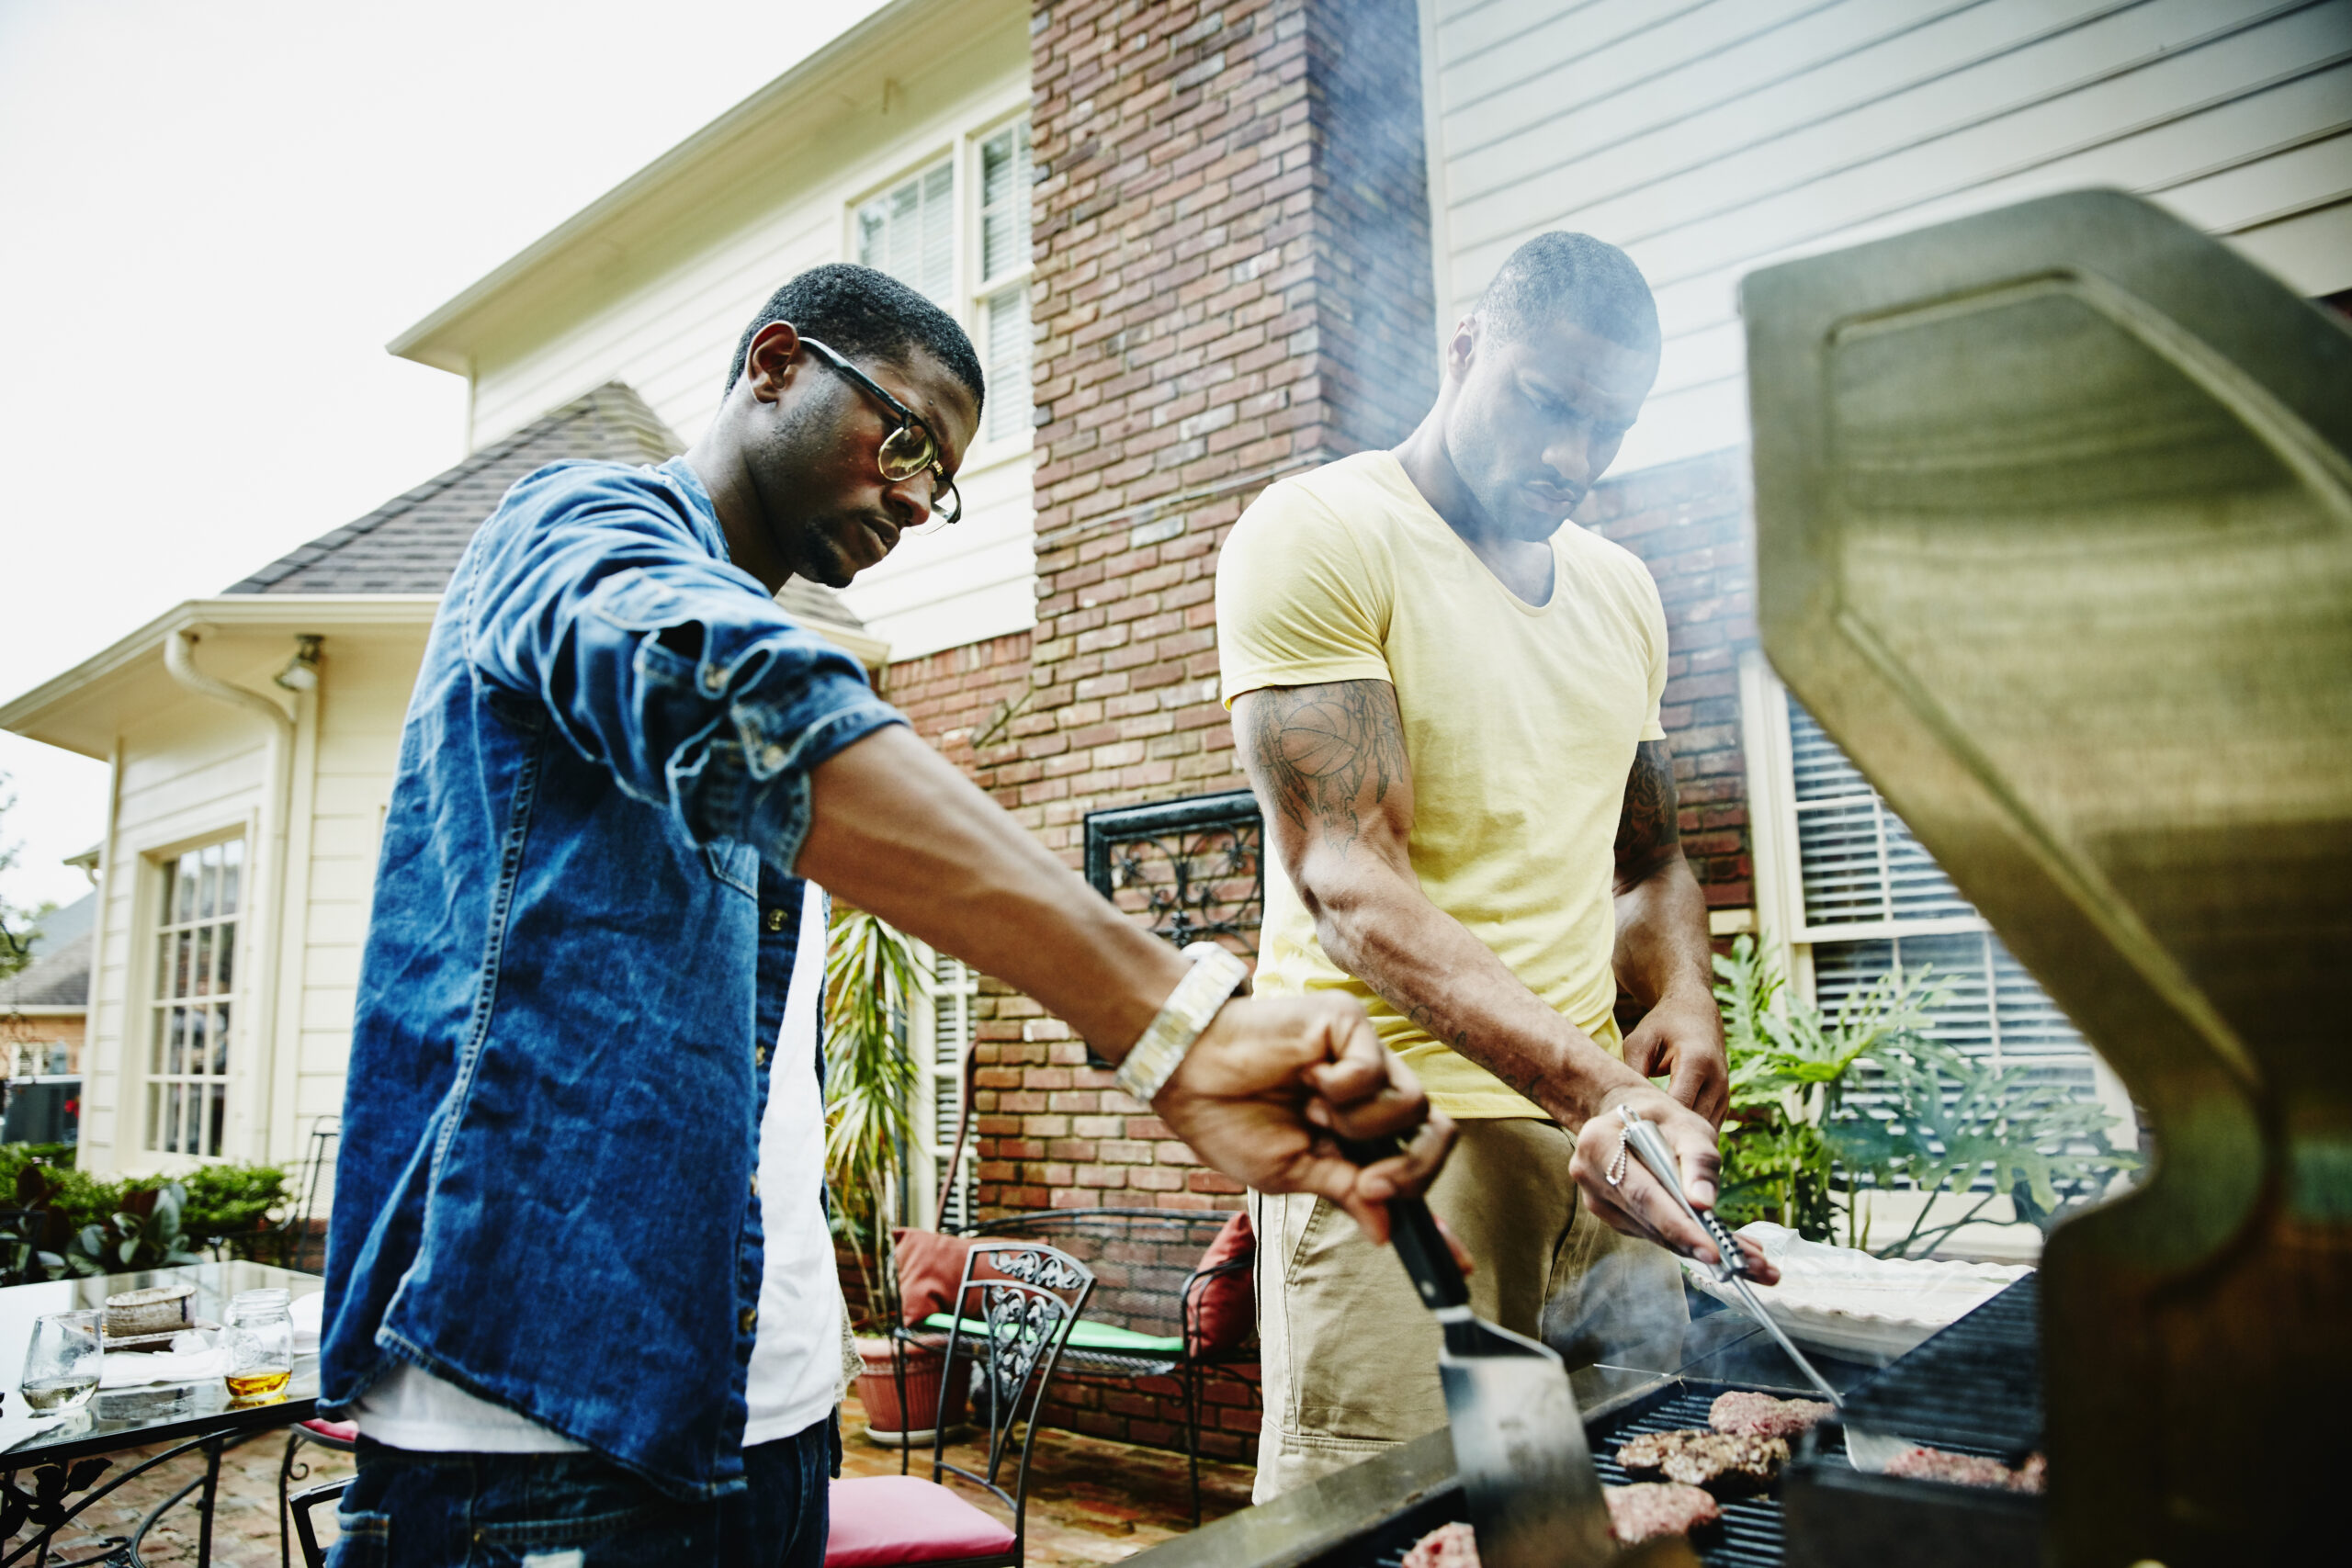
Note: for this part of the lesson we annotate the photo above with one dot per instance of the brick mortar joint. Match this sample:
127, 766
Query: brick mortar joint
1183, 501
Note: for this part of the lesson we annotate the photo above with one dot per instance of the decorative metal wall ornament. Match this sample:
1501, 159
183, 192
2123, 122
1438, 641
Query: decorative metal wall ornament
1192, 870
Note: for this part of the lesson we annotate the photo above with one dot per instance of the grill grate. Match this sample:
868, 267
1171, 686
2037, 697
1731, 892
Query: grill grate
1749, 1536
1975, 1386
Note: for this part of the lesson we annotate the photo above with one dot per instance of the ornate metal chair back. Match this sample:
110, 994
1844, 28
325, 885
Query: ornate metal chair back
1016, 1308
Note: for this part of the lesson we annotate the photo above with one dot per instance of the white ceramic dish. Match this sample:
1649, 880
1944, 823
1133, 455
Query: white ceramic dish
1852, 1304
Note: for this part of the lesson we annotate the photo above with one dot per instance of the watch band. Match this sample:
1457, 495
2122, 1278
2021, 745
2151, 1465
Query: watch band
1214, 975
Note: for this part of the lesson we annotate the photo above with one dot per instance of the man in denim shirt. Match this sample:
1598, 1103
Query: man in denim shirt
620, 759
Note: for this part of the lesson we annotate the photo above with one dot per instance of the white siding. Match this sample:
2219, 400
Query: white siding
195, 773
201, 769
1710, 138
668, 324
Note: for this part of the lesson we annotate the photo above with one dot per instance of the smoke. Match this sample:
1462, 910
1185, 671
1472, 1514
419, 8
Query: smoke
1616, 1300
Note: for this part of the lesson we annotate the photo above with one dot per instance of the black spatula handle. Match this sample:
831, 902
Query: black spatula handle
1420, 1245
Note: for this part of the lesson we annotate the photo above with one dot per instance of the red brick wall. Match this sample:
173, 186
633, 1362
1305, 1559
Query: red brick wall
1691, 523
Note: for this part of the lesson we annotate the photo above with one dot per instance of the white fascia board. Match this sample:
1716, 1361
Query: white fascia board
806, 93
52, 704
228, 612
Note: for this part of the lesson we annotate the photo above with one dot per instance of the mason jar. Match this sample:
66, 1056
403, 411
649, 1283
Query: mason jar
260, 1337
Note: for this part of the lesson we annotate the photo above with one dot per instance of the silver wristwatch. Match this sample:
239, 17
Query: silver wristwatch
1214, 975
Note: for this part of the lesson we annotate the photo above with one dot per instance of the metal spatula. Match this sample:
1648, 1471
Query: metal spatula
1519, 1445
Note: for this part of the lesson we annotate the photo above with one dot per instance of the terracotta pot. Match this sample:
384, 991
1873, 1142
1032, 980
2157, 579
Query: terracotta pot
877, 1389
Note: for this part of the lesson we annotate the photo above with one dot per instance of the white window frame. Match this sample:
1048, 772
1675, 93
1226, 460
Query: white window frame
1787, 936
968, 291
981, 289
155, 923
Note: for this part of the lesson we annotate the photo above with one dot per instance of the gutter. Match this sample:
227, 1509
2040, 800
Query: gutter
179, 658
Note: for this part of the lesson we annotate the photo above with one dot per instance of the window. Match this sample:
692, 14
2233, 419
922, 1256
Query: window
1860, 898
196, 976
910, 232
955, 989
1004, 306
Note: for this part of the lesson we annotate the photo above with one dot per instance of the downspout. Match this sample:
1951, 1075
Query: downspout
179, 658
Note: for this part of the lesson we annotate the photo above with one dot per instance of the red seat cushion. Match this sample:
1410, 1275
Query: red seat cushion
346, 1432
1226, 1307
882, 1519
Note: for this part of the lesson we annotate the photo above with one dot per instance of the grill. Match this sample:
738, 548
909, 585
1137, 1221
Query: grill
1974, 1388
1749, 1536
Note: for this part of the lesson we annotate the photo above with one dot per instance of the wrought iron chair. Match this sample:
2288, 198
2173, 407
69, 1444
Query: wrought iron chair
1148, 1283
313, 1554
293, 1232
1016, 1308
293, 1237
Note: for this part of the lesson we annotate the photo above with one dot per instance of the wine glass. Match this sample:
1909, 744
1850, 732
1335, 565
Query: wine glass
62, 1363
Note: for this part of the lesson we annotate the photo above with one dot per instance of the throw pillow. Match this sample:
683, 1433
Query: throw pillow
1225, 1305
931, 1266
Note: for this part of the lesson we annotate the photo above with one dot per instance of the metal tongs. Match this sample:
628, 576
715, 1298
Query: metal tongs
1642, 1138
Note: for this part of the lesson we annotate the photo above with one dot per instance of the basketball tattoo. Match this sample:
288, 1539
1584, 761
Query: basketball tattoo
1327, 755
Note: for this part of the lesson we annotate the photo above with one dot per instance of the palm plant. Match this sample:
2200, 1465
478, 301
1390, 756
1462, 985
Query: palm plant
872, 979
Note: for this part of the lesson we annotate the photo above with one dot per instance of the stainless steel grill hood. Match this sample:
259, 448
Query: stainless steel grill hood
2055, 526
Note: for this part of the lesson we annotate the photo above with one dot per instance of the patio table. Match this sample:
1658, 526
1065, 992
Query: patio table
201, 1416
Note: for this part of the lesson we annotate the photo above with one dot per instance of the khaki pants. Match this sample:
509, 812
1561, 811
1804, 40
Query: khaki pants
1350, 1354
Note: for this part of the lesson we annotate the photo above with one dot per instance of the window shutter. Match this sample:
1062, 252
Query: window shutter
954, 989
1860, 864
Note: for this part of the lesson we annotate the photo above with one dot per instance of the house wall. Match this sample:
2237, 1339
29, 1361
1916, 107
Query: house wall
664, 315
1711, 139
193, 770
189, 773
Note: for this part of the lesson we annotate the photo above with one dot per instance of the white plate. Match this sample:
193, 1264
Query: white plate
1852, 1304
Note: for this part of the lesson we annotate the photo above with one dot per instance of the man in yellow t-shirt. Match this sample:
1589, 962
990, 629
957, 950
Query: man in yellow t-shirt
1447, 698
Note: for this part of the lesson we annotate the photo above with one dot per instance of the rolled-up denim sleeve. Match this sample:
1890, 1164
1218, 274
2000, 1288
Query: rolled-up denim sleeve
663, 663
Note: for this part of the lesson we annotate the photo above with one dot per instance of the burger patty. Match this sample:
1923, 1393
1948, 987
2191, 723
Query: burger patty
1448, 1546
1641, 1512
1724, 1464
1971, 1469
1761, 1415
1648, 1509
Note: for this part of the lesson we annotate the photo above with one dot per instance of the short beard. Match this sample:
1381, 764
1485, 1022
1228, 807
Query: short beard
800, 444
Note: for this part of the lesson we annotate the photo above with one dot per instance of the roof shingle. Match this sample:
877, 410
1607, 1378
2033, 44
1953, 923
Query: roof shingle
411, 544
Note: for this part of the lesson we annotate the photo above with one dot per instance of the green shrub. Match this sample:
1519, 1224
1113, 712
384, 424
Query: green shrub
214, 1205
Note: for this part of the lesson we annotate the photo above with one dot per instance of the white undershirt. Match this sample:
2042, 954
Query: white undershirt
795, 1351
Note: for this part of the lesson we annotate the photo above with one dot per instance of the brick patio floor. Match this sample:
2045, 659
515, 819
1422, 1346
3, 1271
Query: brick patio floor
1092, 1502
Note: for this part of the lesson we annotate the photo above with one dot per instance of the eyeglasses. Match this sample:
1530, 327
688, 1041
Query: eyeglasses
908, 450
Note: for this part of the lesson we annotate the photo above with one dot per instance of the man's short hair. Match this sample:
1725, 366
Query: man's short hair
864, 314
1574, 277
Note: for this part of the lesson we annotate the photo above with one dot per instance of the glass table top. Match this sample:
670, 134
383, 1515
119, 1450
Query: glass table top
125, 1418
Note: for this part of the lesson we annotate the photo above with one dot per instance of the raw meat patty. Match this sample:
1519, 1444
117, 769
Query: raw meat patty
1970, 1470
1648, 1509
1448, 1546
1761, 1415
1725, 1465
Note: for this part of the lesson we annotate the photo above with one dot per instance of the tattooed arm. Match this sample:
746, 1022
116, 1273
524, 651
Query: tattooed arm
1328, 763
1662, 958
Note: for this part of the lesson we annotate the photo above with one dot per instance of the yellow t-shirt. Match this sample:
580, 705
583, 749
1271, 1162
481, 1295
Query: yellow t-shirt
1520, 725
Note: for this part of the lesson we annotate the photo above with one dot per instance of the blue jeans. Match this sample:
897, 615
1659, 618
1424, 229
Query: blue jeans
574, 1510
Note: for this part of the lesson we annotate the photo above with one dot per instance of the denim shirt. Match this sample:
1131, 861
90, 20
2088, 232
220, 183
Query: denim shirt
584, 928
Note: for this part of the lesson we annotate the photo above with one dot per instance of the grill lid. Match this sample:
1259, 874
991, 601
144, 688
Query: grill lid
2054, 538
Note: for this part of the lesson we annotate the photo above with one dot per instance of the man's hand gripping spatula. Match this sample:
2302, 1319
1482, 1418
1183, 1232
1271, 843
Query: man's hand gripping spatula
1533, 1497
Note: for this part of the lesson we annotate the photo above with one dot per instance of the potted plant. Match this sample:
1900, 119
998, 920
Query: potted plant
872, 980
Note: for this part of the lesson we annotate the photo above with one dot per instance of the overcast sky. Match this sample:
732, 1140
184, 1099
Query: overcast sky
213, 216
